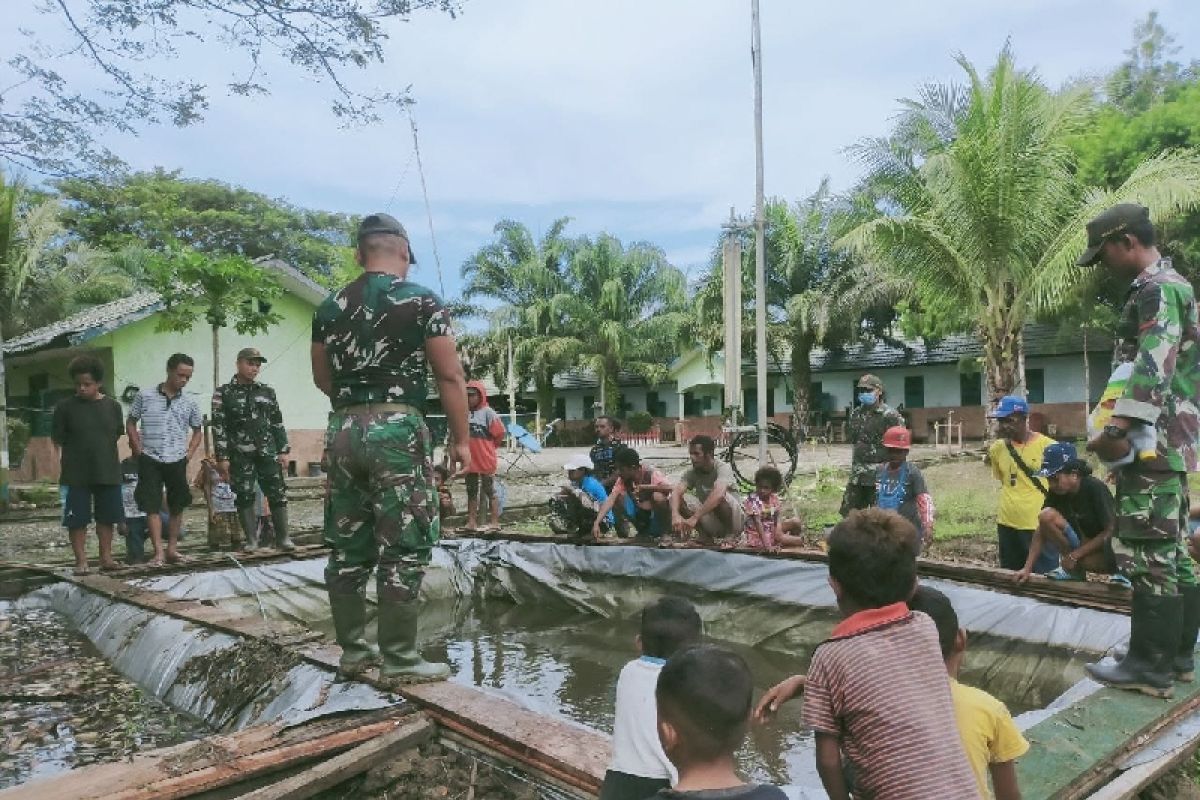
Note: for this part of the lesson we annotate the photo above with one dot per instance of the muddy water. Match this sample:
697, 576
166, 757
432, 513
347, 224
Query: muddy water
63, 706
564, 663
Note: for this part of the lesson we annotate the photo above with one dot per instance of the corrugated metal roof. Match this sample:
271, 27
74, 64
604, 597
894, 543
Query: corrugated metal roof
88, 324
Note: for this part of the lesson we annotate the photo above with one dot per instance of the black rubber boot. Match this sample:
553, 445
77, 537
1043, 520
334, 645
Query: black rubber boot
248, 518
398, 612
349, 625
1185, 656
1153, 643
280, 518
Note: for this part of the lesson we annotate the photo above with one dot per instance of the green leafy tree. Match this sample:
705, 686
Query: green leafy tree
1148, 75
627, 306
526, 277
160, 210
222, 291
992, 219
53, 123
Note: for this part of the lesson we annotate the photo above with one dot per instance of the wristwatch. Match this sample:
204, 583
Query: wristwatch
1115, 432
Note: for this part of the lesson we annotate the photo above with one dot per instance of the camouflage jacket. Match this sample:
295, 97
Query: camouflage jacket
374, 330
867, 424
246, 419
1159, 332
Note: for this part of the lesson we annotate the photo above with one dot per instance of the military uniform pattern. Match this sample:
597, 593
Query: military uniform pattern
865, 431
374, 331
381, 502
248, 431
1159, 333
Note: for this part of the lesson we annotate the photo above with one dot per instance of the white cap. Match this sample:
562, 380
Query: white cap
578, 461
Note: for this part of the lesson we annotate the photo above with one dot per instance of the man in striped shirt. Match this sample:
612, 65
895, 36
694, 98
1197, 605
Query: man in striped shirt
877, 691
162, 447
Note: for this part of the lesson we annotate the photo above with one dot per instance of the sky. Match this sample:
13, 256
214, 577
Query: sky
631, 117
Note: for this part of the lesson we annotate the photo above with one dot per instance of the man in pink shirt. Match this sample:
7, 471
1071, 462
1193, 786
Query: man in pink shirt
649, 491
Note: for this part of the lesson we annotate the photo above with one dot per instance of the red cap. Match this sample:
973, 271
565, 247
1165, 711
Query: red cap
898, 437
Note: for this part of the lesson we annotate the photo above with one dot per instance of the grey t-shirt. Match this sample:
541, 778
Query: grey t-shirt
701, 482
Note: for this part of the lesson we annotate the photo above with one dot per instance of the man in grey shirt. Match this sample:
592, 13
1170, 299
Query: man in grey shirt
162, 447
714, 488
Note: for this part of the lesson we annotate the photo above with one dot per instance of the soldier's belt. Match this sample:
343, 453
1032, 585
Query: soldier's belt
379, 408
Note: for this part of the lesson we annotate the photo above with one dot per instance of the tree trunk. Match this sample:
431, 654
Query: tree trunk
1002, 359
216, 356
3, 427
545, 395
802, 345
612, 391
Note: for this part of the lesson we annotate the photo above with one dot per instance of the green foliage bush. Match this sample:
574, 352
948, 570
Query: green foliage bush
18, 440
639, 422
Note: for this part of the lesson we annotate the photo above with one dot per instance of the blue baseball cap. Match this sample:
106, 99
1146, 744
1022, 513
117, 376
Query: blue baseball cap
1009, 405
1056, 458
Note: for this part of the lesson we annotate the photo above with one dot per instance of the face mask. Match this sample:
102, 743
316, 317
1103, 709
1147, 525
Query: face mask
866, 398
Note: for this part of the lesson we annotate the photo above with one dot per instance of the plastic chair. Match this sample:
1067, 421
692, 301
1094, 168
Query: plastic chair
527, 444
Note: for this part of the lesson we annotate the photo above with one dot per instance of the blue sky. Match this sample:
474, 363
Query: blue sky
631, 117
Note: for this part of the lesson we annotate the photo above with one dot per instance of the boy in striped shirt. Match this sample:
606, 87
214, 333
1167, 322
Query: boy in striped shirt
877, 695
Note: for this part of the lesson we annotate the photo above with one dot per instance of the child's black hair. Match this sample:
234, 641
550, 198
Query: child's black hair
668, 624
932, 602
770, 474
627, 457
872, 554
705, 693
86, 365
442, 472
707, 444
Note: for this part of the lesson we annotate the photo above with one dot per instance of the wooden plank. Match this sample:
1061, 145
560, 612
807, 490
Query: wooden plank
350, 763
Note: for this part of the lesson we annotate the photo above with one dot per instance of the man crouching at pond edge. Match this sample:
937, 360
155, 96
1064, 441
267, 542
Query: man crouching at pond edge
370, 343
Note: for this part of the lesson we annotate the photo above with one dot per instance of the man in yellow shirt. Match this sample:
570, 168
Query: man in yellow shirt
1016, 456
989, 735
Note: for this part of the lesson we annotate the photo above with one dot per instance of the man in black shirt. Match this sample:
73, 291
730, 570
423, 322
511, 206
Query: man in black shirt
604, 450
1077, 521
86, 427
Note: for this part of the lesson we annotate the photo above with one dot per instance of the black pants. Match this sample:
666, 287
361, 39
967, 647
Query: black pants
623, 786
153, 477
857, 497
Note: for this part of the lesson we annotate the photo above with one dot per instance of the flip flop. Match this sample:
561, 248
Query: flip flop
113, 567
492, 529
79, 572
155, 562
178, 559
464, 529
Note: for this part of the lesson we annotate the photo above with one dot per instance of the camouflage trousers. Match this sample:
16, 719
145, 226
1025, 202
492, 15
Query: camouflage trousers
246, 469
1150, 545
381, 509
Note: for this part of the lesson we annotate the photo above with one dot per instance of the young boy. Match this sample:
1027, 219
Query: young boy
900, 486
86, 427
877, 690
640, 767
134, 527
441, 480
224, 528
487, 431
704, 700
573, 509
640, 497
990, 737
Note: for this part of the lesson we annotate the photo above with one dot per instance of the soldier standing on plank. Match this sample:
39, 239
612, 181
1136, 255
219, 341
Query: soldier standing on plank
251, 446
1159, 333
867, 423
372, 342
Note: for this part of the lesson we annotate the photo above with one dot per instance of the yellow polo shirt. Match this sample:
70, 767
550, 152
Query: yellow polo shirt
1020, 500
988, 732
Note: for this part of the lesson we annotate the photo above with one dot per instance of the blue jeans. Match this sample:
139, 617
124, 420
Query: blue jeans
1014, 549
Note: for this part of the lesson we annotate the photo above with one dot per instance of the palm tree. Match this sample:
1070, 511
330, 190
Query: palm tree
627, 305
983, 215
527, 277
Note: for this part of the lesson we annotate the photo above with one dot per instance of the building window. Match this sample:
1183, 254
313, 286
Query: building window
39, 385
654, 406
1035, 385
560, 408
691, 408
589, 409
970, 388
914, 391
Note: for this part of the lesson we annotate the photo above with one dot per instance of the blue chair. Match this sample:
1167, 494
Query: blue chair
527, 443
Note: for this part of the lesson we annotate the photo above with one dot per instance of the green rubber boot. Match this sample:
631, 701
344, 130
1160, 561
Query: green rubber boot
280, 519
248, 519
349, 625
1184, 662
402, 661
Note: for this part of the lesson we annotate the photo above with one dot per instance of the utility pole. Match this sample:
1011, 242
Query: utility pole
3, 427
731, 262
760, 256
511, 380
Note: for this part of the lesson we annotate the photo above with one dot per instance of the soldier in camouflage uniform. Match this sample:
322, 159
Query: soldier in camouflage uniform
1158, 332
251, 446
870, 418
372, 342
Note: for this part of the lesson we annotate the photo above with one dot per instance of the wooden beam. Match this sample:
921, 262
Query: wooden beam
333, 771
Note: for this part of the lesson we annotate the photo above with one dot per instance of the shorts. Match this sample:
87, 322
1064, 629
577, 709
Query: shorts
153, 477
1014, 549
77, 509
474, 480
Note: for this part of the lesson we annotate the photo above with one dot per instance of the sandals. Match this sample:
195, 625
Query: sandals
1117, 579
79, 572
178, 558
155, 563
1060, 574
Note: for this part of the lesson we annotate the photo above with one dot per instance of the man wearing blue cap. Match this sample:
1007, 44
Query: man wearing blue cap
1016, 456
1077, 522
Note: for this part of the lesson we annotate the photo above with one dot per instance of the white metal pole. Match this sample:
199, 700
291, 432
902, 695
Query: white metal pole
760, 256
512, 393
732, 292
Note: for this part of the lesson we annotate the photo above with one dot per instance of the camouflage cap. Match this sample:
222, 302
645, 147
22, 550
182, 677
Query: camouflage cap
1114, 220
386, 223
870, 381
251, 354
